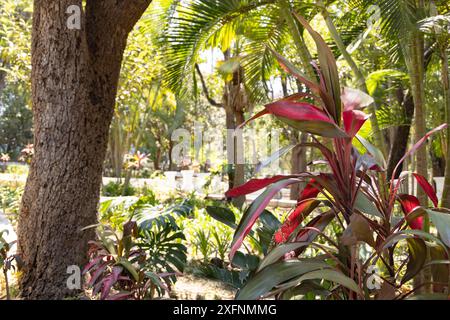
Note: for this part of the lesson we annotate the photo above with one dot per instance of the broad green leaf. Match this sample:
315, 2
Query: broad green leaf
376, 153
222, 214
265, 280
132, 270
439, 264
358, 230
417, 257
363, 204
442, 223
320, 128
406, 234
333, 276
279, 251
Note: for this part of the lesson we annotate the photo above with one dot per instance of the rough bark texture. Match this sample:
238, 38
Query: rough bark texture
74, 83
446, 89
234, 102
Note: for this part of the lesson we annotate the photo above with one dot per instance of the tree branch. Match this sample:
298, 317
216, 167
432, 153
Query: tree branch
205, 89
116, 15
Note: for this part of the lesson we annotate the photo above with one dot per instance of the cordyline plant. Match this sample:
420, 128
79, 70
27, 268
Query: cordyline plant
117, 267
355, 194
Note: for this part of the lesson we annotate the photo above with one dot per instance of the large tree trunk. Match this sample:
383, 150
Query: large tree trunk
74, 83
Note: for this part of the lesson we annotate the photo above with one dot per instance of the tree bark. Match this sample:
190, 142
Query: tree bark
298, 163
74, 82
417, 75
446, 88
401, 133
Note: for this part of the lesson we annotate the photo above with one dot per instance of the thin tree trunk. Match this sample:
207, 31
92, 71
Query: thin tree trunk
302, 49
298, 164
417, 83
74, 82
401, 134
446, 86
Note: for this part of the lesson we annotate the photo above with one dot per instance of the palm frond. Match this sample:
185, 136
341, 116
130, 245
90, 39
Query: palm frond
197, 24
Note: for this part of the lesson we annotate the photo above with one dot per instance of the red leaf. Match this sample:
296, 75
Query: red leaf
353, 121
254, 211
427, 187
297, 111
409, 203
294, 219
253, 185
310, 191
307, 203
110, 281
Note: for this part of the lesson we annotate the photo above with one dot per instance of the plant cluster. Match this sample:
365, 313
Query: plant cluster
355, 193
138, 252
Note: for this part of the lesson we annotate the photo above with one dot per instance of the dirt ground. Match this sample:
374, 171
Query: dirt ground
191, 287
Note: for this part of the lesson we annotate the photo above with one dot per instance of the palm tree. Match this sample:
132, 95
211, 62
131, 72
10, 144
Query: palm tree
399, 26
246, 32
360, 78
439, 27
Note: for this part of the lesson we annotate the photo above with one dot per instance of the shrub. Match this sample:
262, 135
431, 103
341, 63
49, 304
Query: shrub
139, 250
116, 189
354, 193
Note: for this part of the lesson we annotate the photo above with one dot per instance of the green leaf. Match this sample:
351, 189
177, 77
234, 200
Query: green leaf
275, 274
406, 234
439, 264
363, 204
442, 223
132, 270
278, 252
222, 214
417, 257
376, 153
333, 276
358, 230
320, 128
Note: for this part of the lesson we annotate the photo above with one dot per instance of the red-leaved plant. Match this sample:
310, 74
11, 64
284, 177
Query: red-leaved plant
116, 267
355, 194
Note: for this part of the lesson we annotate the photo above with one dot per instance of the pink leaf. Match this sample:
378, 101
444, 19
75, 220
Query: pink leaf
353, 121
110, 281
254, 211
307, 203
297, 111
427, 187
253, 185
409, 203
